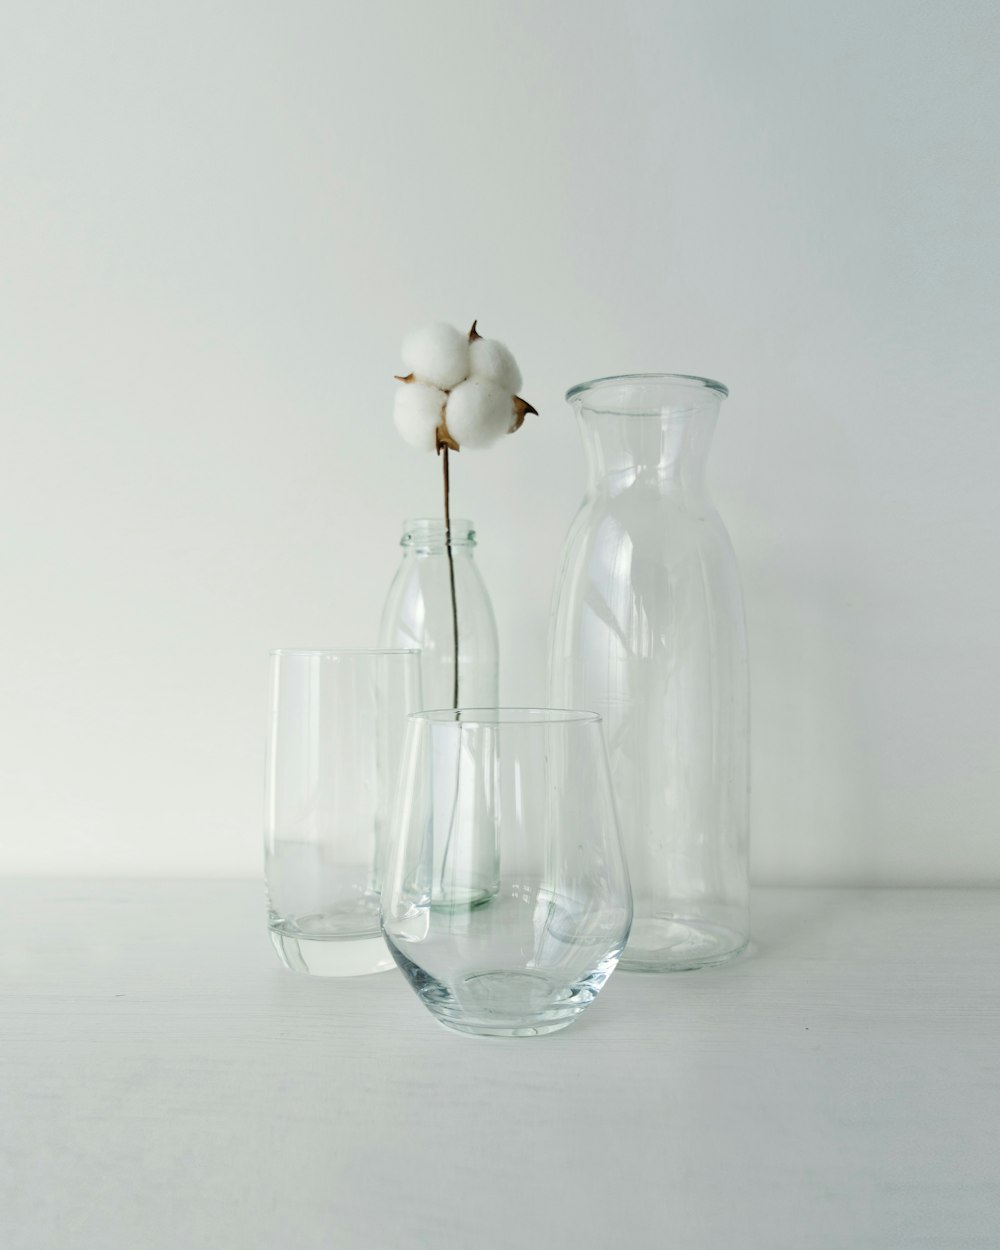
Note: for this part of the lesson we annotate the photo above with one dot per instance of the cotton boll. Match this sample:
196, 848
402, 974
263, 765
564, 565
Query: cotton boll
495, 362
478, 413
417, 414
437, 354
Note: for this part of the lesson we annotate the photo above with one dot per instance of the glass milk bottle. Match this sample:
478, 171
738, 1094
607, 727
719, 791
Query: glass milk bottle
420, 608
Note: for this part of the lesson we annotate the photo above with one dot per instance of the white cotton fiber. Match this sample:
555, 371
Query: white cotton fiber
438, 354
492, 360
478, 413
417, 413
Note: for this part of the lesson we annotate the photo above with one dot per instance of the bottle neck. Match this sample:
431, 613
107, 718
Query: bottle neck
426, 536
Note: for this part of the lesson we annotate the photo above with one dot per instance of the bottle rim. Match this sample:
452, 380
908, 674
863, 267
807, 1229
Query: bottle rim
430, 531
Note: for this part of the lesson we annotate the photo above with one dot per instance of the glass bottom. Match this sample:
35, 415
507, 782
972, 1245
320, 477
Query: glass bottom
354, 955
458, 900
503, 1002
679, 944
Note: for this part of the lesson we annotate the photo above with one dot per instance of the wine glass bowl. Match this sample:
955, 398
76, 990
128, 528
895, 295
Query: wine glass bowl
506, 900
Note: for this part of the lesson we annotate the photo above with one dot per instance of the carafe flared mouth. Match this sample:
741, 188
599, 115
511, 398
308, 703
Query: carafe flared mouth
645, 392
636, 424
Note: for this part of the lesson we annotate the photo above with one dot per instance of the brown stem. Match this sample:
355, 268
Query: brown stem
451, 569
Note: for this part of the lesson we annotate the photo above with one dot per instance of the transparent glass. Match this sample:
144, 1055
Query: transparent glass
648, 630
337, 723
529, 950
417, 613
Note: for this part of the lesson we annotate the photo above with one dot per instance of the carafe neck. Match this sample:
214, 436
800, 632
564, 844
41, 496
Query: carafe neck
651, 430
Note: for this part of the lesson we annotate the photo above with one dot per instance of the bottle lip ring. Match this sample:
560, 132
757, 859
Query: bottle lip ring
423, 531
688, 380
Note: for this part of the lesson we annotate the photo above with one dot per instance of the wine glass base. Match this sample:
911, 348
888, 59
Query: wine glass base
490, 1030
503, 1002
509, 1002
679, 944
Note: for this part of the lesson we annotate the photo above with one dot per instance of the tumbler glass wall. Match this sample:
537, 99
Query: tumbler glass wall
337, 722
506, 900
648, 630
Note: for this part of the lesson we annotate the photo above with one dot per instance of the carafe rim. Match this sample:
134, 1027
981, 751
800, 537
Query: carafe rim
694, 381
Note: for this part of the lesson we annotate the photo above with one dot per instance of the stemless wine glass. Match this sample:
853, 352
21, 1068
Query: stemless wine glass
517, 941
337, 724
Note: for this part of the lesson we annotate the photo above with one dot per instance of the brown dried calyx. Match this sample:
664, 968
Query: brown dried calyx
521, 410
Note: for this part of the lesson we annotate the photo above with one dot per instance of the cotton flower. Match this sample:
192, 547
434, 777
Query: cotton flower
437, 354
495, 362
460, 390
479, 412
418, 411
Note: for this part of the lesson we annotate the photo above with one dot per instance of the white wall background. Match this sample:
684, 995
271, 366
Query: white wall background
217, 220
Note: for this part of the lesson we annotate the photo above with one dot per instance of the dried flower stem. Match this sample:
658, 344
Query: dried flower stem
451, 568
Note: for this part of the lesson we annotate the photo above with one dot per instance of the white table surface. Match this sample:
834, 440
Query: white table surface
166, 1083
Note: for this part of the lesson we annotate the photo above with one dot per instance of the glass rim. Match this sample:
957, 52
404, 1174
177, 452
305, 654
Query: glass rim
692, 380
340, 653
505, 716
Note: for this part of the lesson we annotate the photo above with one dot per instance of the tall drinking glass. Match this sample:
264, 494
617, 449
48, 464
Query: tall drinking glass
520, 940
337, 722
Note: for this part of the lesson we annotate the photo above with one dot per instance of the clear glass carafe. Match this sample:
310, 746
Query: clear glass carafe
418, 613
648, 630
